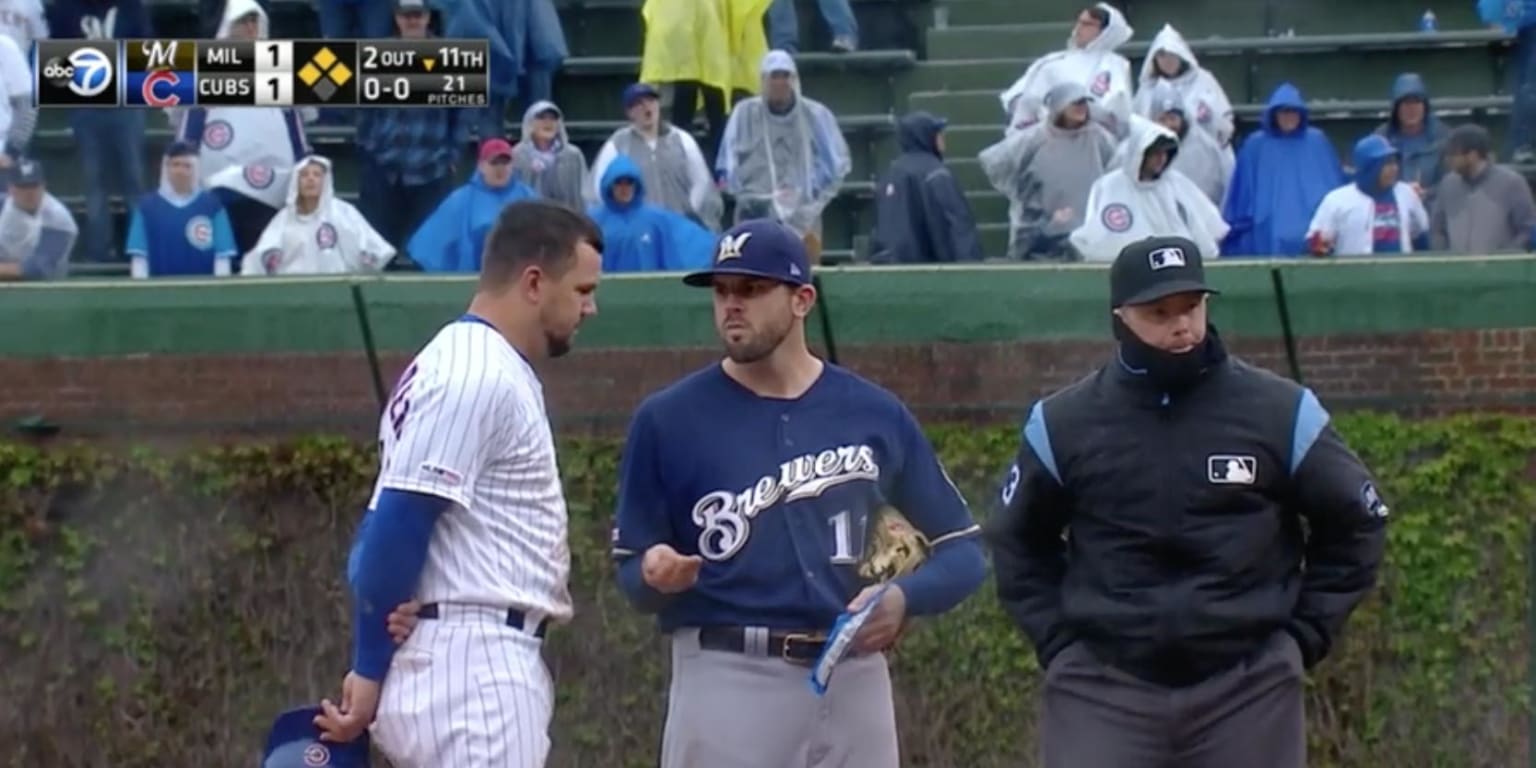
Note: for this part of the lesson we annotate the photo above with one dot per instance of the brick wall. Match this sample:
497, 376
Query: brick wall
160, 398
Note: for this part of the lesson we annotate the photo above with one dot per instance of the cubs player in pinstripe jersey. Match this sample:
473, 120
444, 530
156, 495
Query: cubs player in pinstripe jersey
469, 518
748, 495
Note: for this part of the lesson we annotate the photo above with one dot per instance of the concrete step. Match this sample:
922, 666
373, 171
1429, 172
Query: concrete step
1017, 40
979, 108
980, 12
963, 75
1313, 17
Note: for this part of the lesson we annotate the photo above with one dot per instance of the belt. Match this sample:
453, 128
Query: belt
795, 647
515, 619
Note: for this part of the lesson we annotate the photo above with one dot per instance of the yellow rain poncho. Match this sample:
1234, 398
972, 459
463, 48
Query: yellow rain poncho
715, 42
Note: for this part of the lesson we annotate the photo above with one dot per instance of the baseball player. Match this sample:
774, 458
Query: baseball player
468, 516
748, 491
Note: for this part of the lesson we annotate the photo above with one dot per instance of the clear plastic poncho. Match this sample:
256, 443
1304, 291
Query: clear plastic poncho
786, 166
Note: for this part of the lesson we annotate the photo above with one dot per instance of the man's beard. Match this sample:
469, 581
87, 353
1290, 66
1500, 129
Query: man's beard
556, 346
757, 347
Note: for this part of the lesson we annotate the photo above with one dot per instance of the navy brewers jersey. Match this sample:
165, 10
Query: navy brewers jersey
775, 494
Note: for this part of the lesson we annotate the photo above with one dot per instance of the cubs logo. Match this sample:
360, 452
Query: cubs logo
1117, 217
1100, 84
369, 259
218, 134
259, 176
200, 232
316, 755
272, 260
325, 235
1203, 112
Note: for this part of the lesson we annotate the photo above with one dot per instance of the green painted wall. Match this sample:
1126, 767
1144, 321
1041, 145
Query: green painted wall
867, 305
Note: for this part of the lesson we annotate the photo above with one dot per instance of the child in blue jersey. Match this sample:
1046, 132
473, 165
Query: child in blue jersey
180, 229
746, 496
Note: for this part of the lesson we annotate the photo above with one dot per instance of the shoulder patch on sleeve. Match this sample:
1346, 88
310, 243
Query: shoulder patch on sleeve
1370, 499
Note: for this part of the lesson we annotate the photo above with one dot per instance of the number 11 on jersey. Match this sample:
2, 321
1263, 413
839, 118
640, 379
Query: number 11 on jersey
843, 539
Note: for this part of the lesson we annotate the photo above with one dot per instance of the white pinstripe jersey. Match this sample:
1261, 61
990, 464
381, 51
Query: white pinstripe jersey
467, 423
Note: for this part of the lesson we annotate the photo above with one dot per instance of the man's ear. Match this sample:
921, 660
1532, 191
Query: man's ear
804, 300
532, 282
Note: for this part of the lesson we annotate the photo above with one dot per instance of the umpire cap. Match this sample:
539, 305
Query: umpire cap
758, 248
294, 742
1154, 268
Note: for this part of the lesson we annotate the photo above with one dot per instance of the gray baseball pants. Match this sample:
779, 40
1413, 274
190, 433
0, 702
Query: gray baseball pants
732, 710
1095, 716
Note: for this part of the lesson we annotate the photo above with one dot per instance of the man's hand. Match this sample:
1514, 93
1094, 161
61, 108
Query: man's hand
885, 622
668, 572
1062, 216
1418, 189
359, 704
402, 620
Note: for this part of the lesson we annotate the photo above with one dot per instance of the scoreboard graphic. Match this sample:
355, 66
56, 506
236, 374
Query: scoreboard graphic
262, 73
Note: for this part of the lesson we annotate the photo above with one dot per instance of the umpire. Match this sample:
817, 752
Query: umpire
1151, 543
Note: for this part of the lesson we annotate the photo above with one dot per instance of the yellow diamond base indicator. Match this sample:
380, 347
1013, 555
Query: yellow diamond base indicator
325, 58
309, 74
340, 74
429, 63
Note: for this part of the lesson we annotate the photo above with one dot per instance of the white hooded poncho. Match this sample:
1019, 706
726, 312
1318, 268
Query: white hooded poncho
1197, 87
332, 239
1123, 209
1103, 72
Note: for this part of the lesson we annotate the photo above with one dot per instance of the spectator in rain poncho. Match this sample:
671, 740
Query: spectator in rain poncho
180, 229
527, 46
37, 232
1374, 214
1089, 60
546, 161
1417, 133
451, 239
1047, 171
644, 238
316, 233
1206, 163
1283, 171
708, 51
784, 157
921, 214
1171, 62
676, 175
1144, 198
247, 152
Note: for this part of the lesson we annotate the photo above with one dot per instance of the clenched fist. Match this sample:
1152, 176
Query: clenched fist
668, 572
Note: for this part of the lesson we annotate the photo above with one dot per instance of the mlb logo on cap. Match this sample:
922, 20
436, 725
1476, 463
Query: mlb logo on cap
1163, 258
294, 742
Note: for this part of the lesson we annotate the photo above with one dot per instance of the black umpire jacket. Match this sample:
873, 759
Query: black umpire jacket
1167, 534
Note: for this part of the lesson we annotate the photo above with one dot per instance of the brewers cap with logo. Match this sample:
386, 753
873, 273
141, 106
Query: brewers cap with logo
1155, 268
26, 172
294, 742
758, 248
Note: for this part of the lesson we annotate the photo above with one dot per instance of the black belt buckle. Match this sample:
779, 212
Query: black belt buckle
812, 643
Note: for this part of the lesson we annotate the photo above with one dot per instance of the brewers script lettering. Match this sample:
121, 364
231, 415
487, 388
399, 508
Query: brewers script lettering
725, 517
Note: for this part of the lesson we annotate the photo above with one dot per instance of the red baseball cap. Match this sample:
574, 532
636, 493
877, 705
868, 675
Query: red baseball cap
493, 148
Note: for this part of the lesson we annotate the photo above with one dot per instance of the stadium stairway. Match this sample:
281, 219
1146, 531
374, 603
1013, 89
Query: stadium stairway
953, 57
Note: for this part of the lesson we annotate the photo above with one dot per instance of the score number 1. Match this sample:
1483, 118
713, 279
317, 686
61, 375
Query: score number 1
274, 73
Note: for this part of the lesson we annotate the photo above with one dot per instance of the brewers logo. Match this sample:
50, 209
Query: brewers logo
325, 235
730, 247
218, 134
200, 232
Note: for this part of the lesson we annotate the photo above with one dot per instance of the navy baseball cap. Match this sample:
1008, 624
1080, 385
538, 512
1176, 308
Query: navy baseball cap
294, 742
1154, 268
26, 172
639, 91
758, 248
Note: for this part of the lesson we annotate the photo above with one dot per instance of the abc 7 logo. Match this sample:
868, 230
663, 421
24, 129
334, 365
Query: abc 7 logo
86, 72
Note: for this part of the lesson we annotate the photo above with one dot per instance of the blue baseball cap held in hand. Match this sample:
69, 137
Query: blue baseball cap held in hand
758, 248
294, 742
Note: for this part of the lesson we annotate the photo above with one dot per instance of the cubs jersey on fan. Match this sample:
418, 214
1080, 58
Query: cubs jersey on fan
777, 496
467, 423
180, 240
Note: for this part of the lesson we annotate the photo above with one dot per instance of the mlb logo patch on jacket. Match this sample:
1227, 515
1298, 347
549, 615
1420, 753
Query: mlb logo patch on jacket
1231, 469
